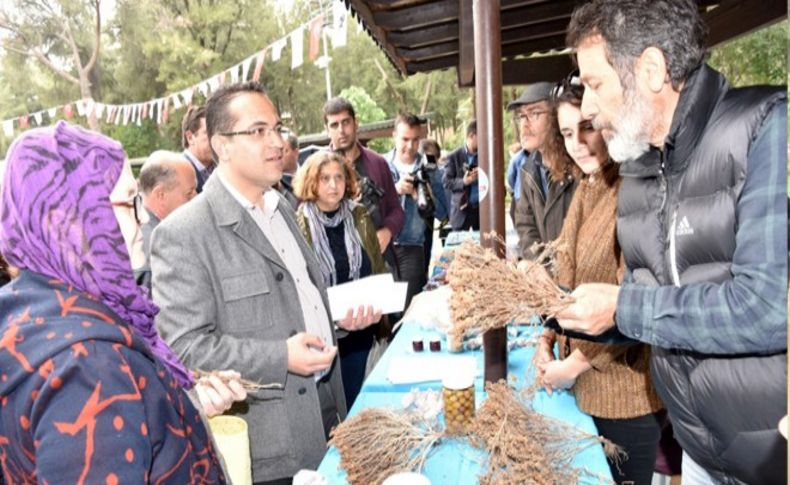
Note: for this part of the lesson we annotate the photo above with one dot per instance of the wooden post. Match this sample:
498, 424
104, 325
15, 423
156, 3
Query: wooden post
488, 104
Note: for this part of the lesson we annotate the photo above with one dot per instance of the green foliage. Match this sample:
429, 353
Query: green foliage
151, 48
757, 58
141, 141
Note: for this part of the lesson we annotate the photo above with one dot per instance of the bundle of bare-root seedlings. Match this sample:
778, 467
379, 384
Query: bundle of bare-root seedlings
525, 446
245, 383
379, 442
489, 292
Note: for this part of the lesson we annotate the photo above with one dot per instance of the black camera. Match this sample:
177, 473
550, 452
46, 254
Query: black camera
422, 184
470, 164
370, 195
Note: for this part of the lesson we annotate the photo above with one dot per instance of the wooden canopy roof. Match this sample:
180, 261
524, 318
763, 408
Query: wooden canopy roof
426, 35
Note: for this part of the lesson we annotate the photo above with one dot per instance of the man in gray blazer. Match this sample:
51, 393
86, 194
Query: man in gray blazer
239, 288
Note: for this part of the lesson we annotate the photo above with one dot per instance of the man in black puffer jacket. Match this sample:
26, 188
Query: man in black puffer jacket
702, 223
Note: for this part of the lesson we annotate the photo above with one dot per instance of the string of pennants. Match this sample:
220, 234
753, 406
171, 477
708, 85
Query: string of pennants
249, 69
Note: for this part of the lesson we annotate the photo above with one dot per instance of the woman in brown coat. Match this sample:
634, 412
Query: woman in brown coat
611, 382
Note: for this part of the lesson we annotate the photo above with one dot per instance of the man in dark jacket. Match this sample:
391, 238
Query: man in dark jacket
379, 195
702, 222
460, 179
543, 199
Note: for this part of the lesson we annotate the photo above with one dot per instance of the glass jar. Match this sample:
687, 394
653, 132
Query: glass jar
458, 394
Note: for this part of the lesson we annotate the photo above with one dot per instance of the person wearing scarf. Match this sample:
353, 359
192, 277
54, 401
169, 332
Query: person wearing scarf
90, 393
343, 237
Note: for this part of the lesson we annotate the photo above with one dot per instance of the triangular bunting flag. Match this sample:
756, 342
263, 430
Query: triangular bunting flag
8, 128
24, 122
259, 59
52, 112
245, 68
187, 95
90, 104
176, 101
297, 47
339, 24
80, 104
68, 111
277, 49
213, 83
316, 27
38, 117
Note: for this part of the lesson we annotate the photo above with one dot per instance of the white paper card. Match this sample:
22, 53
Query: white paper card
379, 291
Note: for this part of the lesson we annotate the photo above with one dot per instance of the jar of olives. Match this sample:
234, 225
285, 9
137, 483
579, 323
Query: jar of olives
458, 394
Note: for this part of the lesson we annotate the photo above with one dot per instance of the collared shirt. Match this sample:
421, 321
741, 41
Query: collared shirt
267, 216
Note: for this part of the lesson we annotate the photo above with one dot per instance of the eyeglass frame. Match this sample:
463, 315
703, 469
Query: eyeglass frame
135, 203
531, 116
264, 131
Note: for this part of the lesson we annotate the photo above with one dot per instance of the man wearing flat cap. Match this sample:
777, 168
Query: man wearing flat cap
546, 186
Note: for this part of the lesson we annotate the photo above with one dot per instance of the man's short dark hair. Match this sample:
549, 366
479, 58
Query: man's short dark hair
292, 141
409, 119
338, 105
630, 26
191, 122
218, 118
471, 128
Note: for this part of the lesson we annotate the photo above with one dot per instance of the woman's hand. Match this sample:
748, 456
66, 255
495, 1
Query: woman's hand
562, 374
218, 393
364, 318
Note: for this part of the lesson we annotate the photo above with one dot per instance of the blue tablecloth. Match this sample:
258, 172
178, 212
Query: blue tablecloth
455, 462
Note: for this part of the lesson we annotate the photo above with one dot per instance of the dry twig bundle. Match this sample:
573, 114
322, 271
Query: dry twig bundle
246, 384
489, 292
525, 446
378, 442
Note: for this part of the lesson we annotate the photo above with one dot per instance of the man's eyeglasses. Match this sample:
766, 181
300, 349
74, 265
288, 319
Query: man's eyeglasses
572, 80
260, 132
531, 116
136, 204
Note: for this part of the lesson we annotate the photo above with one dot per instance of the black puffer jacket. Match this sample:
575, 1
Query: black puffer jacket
677, 222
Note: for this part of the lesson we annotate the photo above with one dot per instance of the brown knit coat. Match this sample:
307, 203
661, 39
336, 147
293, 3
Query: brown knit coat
618, 386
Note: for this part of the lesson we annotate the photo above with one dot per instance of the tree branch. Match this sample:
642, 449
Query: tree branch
97, 38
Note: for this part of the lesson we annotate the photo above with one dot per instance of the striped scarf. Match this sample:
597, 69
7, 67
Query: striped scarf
318, 222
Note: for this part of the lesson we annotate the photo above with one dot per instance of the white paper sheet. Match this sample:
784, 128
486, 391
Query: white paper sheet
408, 369
379, 291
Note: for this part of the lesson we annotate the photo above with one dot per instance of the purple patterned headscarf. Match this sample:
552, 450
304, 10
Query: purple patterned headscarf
56, 219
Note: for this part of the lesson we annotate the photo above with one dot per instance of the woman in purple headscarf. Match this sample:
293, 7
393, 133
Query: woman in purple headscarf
89, 393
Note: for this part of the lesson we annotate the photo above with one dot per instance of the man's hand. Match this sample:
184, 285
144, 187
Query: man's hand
217, 396
308, 354
364, 318
384, 236
470, 176
592, 312
405, 185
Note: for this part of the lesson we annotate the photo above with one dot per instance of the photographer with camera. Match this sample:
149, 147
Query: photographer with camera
377, 191
460, 178
422, 197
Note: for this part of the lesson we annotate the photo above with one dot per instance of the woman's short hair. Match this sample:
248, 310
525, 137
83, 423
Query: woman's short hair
309, 174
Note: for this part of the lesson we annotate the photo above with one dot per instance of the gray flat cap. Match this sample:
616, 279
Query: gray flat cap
534, 93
